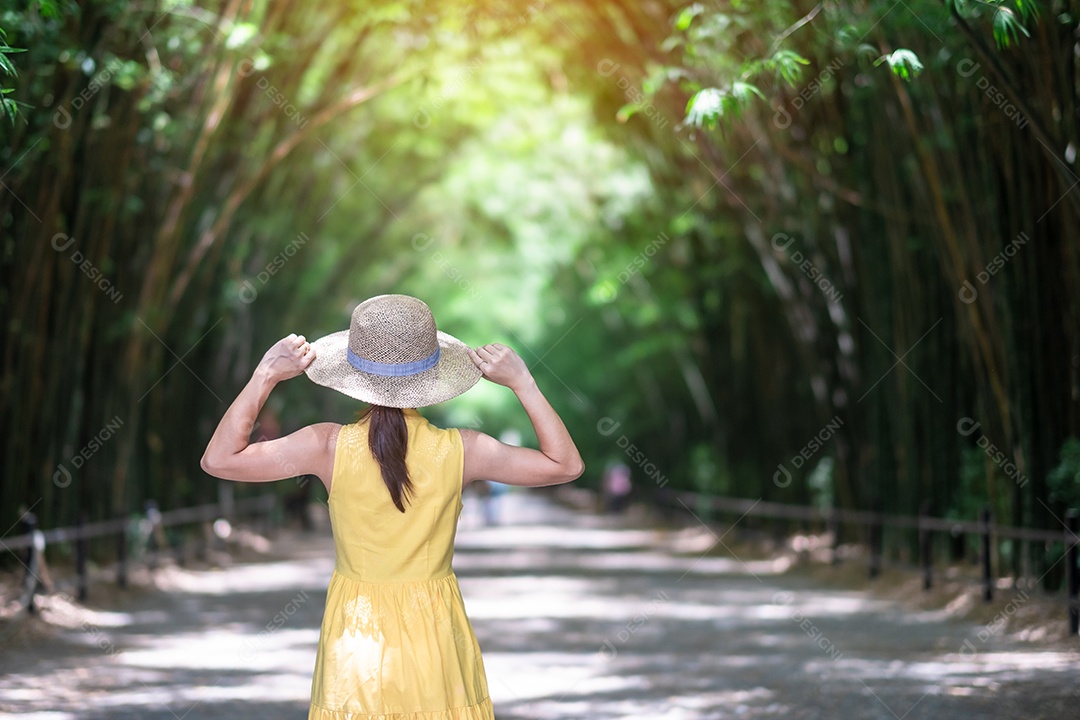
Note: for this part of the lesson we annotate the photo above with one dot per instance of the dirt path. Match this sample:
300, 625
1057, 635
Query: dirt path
579, 617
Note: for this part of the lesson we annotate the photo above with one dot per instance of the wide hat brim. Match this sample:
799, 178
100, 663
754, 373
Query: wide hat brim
452, 375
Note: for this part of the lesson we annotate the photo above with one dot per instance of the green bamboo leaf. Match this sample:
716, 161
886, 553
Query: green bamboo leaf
705, 108
10, 109
865, 51
1027, 9
628, 111
789, 64
743, 92
686, 17
1007, 27
848, 35
49, 9
903, 62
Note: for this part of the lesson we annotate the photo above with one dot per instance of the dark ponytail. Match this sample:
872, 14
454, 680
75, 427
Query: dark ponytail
388, 438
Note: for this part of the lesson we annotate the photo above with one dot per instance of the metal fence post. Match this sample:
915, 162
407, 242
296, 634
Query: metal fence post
833, 528
925, 546
267, 518
31, 582
876, 540
153, 546
82, 583
180, 550
988, 580
121, 557
1072, 573
203, 540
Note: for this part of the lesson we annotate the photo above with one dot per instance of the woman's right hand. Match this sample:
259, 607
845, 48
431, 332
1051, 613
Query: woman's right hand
557, 460
501, 365
287, 358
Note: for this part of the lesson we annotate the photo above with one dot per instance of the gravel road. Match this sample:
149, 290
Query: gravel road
580, 618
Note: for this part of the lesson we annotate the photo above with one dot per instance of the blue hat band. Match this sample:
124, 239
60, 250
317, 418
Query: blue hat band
393, 369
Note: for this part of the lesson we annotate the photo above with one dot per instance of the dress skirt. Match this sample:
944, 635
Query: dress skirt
398, 651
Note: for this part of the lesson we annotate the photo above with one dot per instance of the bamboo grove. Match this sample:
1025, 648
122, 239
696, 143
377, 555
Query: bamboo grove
804, 252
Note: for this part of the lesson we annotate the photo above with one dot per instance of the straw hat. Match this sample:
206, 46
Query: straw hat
393, 355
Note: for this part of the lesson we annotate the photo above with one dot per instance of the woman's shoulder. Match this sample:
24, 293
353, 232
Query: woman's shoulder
425, 427
329, 432
329, 429
471, 439
415, 418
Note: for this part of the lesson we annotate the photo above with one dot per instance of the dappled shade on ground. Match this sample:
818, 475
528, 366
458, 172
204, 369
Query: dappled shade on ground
579, 616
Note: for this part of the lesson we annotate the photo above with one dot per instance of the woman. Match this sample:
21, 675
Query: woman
395, 641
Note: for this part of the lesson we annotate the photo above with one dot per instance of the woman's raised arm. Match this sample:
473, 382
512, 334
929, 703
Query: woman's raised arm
557, 461
308, 451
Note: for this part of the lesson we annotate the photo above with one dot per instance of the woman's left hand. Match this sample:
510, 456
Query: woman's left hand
308, 451
287, 358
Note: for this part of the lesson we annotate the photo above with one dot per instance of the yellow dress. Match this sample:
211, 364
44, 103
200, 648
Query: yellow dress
395, 642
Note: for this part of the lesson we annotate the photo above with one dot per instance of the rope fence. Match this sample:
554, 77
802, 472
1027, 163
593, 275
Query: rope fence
145, 533
983, 528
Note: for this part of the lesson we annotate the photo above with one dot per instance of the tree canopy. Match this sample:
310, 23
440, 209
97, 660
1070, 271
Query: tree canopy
804, 252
